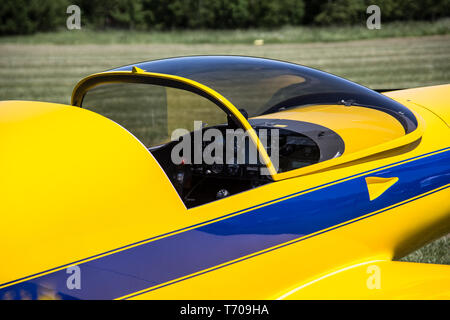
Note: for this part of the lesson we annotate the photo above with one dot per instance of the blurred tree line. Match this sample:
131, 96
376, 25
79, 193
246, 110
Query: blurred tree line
29, 16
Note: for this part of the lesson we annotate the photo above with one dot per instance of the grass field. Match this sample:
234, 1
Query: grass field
48, 72
288, 34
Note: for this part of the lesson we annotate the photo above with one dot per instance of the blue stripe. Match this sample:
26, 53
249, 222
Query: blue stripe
179, 255
224, 216
282, 245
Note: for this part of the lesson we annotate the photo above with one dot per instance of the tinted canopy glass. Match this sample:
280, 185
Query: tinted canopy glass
262, 86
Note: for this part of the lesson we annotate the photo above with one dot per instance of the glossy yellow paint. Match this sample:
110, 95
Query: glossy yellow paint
376, 186
433, 98
379, 280
76, 184
353, 124
80, 185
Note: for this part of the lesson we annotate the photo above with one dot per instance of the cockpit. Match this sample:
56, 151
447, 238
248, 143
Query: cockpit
221, 125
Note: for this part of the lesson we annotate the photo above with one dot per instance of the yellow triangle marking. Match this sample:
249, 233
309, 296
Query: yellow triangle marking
377, 186
137, 70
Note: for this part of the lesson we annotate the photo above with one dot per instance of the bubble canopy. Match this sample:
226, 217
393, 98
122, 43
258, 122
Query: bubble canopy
262, 86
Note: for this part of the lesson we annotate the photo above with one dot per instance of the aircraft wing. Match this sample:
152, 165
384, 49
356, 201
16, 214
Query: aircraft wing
378, 280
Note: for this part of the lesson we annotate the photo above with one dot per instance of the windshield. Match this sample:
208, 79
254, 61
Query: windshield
262, 86
152, 113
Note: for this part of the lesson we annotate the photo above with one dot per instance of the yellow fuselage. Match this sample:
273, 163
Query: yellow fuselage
77, 189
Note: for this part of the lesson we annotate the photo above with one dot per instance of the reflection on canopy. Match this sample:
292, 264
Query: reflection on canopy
262, 86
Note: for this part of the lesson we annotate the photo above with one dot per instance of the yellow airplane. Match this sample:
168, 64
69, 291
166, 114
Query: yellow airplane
147, 186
